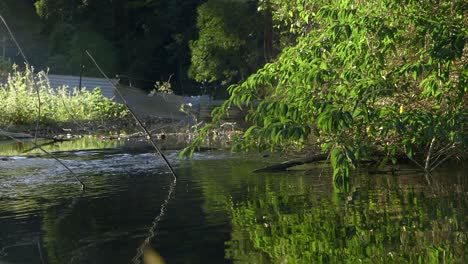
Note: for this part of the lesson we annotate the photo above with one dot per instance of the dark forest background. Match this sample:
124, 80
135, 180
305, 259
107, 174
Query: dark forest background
205, 45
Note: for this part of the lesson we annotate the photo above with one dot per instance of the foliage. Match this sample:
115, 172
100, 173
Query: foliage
20, 102
51, 10
102, 49
366, 77
150, 39
294, 16
227, 48
69, 43
162, 87
143, 39
5, 67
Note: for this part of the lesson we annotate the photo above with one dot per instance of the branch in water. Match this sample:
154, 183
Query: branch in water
7, 134
288, 164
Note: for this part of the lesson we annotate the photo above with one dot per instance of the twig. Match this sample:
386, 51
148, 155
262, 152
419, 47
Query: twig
291, 163
39, 249
428, 157
49, 154
153, 229
442, 161
157, 219
68, 111
46, 78
413, 160
441, 152
33, 81
145, 130
40, 145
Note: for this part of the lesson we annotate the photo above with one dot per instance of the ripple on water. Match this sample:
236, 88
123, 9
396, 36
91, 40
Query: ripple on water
217, 200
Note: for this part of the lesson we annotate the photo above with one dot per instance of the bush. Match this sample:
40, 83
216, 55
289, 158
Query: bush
19, 99
366, 80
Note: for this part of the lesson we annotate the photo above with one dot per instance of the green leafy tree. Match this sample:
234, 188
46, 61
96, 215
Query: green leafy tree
51, 10
139, 38
366, 78
72, 28
228, 48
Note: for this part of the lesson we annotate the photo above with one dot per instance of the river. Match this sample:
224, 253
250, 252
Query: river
221, 212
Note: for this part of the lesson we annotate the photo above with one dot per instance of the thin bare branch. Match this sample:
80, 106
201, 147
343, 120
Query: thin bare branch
413, 160
32, 71
145, 130
428, 157
442, 152
6, 134
442, 161
153, 229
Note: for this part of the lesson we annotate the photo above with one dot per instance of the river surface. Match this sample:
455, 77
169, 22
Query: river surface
220, 212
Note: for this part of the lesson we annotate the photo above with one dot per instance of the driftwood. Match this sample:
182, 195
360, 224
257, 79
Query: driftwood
291, 163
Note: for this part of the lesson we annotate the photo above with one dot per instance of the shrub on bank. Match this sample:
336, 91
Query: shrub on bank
20, 102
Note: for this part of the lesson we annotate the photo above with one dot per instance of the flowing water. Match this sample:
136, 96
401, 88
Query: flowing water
221, 212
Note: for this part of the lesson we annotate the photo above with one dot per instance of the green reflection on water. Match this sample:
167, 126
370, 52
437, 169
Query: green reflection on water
263, 218
26, 147
291, 223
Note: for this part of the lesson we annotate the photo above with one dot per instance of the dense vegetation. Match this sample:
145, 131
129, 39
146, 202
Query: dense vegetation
365, 80
60, 106
204, 45
141, 39
379, 79
359, 82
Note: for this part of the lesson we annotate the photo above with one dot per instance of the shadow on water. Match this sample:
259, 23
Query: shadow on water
221, 212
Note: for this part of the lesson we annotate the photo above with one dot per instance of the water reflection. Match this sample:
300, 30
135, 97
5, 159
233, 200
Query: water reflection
86, 144
380, 221
223, 213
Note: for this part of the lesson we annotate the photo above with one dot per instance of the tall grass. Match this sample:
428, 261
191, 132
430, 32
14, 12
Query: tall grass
19, 102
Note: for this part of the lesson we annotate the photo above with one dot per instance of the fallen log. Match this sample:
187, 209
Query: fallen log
291, 163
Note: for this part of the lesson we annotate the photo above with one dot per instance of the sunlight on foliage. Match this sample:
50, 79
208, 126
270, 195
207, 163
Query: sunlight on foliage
20, 102
369, 79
